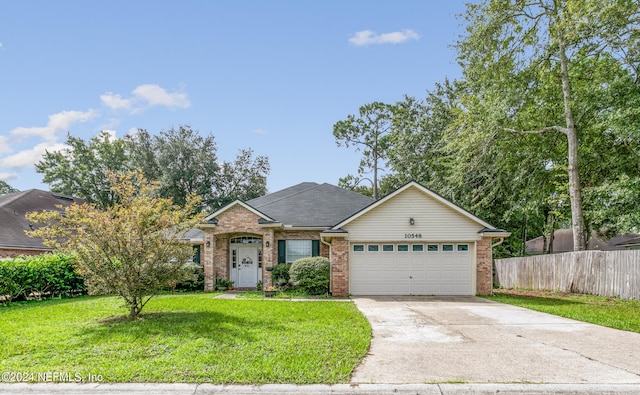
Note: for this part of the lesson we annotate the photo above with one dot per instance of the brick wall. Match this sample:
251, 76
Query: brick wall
484, 266
238, 221
339, 267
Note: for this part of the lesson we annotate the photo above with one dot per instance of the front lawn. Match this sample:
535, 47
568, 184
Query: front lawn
610, 312
185, 338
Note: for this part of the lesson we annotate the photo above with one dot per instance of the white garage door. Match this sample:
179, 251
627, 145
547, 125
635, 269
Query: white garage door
411, 269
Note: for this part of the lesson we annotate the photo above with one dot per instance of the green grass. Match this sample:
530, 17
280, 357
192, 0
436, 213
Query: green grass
186, 338
610, 312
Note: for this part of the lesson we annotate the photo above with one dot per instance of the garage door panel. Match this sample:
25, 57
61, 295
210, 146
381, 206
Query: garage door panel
412, 272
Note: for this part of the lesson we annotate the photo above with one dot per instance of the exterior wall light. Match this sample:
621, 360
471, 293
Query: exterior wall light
412, 221
266, 244
208, 244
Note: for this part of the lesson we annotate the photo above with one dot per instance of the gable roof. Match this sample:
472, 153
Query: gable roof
14, 207
307, 204
311, 205
488, 228
211, 218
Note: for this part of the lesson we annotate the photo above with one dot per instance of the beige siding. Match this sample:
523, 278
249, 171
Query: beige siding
434, 221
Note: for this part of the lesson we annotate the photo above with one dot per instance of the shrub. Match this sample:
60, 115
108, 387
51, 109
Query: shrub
281, 271
46, 275
310, 275
192, 285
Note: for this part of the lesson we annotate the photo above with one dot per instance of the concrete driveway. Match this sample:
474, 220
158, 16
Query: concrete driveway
473, 340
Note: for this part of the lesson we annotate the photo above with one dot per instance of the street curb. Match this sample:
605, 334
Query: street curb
315, 389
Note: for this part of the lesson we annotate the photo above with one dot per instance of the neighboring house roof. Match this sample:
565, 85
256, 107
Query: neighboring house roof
307, 204
487, 228
14, 207
563, 242
195, 235
635, 241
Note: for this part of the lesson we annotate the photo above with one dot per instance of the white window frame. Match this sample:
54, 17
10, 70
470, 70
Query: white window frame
298, 249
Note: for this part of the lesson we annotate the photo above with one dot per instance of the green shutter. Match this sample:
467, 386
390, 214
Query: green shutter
315, 247
196, 254
282, 251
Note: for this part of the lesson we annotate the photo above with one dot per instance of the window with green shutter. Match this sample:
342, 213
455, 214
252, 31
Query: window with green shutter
292, 250
282, 251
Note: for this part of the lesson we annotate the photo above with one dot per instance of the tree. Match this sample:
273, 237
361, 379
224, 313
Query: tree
355, 184
180, 159
142, 153
81, 170
520, 56
188, 163
245, 178
417, 139
369, 131
133, 248
5, 188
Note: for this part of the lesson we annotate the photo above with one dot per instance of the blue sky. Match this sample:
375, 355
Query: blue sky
269, 75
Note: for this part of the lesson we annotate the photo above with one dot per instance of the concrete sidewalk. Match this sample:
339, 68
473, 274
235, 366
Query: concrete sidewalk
339, 389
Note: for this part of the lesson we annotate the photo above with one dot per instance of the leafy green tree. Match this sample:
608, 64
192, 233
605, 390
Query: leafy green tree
368, 132
361, 185
245, 178
523, 62
141, 148
81, 169
133, 248
180, 159
187, 162
5, 188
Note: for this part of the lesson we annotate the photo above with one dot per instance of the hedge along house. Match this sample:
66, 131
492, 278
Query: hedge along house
411, 242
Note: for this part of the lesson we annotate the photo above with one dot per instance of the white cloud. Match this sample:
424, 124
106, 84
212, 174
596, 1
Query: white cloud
145, 96
367, 37
30, 157
4, 145
260, 131
156, 96
57, 122
8, 176
115, 101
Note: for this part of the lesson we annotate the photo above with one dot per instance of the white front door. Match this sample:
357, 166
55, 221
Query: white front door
247, 267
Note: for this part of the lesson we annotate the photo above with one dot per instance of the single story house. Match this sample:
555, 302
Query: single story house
13, 223
411, 242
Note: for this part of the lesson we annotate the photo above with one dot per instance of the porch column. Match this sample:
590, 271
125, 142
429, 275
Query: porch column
208, 248
268, 248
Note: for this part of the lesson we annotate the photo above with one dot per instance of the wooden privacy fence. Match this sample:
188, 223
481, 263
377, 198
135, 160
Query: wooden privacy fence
605, 273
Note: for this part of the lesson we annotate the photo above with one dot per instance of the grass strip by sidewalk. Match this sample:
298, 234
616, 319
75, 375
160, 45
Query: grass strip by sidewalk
611, 312
186, 338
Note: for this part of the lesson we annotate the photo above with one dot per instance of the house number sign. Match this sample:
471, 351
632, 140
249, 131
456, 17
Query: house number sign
413, 235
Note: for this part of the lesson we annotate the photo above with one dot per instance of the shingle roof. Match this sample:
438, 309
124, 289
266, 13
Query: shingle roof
311, 205
14, 207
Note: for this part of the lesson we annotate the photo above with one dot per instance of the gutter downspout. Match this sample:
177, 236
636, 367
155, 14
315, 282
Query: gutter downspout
497, 243
330, 265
